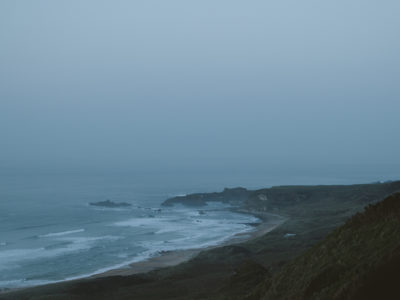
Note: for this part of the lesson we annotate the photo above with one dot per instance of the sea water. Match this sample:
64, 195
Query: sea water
49, 232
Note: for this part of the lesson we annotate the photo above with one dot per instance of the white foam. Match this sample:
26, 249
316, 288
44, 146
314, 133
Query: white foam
19, 283
207, 232
188, 229
26, 283
142, 222
55, 234
180, 195
140, 257
11, 258
189, 223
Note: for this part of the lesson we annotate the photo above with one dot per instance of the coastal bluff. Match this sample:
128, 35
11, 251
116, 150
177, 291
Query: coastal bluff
294, 200
327, 248
359, 260
110, 204
233, 196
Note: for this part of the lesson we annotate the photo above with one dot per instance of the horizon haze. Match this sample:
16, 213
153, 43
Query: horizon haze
210, 85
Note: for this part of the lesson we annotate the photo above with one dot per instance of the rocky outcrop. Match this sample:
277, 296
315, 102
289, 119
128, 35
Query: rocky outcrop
292, 200
234, 196
109, 203
295, 200
304, 258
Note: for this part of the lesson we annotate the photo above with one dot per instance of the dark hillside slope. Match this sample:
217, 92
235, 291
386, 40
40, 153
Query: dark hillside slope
235, 196
295, 200
359, 260
235, 271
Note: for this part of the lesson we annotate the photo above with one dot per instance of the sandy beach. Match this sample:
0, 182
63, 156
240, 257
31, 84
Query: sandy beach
172, 258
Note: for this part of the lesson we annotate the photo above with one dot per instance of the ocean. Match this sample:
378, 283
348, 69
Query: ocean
50, 233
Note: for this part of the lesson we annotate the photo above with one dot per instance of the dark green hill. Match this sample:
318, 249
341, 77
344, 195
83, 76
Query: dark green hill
359, 260
235, 196
291, 262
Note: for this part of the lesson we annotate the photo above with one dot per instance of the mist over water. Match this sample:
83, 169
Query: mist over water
138, 101
48, 229
175, 85
50, 232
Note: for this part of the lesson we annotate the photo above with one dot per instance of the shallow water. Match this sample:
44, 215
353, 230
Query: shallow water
48, 232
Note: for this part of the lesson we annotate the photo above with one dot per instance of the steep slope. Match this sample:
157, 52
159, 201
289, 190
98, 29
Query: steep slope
247, 270
359, 260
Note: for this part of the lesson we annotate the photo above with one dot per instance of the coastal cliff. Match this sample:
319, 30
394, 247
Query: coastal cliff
359, 260
234, 196
310, 256
294, 200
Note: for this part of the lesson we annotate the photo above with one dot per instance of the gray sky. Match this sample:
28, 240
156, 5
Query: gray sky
199, 83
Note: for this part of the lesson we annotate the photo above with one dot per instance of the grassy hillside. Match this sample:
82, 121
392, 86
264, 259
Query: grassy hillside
258, 268
359, 260
235, 196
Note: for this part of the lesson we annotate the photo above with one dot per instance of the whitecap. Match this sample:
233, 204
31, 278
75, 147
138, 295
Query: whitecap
11, 258
141, 222
19, 283
55, 234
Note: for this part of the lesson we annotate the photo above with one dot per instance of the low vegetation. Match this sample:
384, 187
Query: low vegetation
310, 256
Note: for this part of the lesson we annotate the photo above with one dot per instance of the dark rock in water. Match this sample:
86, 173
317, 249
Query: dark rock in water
360, 260
109, 203
202, 212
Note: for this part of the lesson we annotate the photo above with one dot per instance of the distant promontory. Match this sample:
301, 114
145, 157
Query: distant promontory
233, 196
109, 203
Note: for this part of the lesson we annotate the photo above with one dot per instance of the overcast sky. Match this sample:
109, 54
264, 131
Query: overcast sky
147, 83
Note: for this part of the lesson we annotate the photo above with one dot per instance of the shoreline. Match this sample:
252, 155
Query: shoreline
172, 258
175, 257
219, 272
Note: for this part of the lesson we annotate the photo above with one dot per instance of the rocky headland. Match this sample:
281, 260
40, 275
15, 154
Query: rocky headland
110, 204
327, 248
